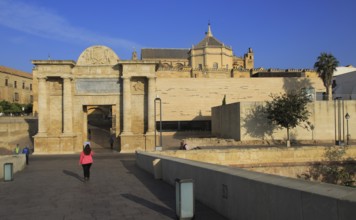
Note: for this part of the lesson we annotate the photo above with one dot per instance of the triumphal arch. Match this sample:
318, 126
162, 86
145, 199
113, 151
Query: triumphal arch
67, 89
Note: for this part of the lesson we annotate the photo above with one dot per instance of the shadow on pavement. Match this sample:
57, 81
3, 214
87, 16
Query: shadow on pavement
72, 174
165, 193
160, 209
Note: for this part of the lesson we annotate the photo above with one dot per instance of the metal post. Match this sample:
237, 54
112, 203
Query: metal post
157, 99
160, 123
347, 117
339, 120
155, 122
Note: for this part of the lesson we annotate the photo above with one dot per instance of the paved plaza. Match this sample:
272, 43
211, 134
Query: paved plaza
51, 187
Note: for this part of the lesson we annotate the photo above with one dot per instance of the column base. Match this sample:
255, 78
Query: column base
68, 134
126, 133
150, 133
41, 134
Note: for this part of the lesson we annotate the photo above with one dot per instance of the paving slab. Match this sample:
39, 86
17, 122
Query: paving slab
52, 187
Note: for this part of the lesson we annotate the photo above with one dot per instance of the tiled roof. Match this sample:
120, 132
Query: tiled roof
155, 53
209, 41
11, 71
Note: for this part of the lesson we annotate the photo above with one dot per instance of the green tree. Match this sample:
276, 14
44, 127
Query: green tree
5, 105
325, 66
288, 110
8, 107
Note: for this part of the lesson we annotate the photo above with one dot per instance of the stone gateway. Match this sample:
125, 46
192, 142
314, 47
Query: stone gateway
67, 90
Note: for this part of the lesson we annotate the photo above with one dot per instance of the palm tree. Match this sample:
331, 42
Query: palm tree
325, 66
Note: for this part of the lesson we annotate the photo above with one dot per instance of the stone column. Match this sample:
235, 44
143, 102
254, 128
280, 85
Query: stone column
127, 106
85, 125
42, 106
151, 99
67, 106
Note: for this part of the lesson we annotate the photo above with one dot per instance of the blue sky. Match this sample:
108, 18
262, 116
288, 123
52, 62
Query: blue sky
282, 33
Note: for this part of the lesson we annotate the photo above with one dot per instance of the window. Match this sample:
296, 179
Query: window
15, 84
215, 65
6, 82
16, 96
31, 98
23, 85
200, 66
185, 125
30, 86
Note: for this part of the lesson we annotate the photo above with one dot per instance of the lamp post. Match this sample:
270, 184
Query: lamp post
158, 99
338, 116
347, 117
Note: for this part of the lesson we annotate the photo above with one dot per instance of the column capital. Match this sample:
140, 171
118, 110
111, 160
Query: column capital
67, 77
41, 77
125, 77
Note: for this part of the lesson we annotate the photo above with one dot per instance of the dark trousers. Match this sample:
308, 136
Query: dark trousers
86, 169
27, 158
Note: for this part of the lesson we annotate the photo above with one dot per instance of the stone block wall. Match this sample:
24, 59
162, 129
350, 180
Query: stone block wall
17, 130
257, 156
193, 98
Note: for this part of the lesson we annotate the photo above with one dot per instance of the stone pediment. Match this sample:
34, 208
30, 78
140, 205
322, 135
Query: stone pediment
97, 55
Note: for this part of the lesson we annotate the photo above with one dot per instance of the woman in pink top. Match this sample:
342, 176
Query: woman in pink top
86, 160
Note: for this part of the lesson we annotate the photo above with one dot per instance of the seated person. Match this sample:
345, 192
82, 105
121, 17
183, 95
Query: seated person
185, 146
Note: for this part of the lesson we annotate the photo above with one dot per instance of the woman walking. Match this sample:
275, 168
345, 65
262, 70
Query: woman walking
86, 160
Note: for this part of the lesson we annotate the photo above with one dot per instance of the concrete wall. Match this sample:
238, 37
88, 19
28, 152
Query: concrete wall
17, 130
246, 121
241, 194
18, 161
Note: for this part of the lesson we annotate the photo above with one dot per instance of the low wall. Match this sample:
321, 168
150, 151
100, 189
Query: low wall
17, 130
257, 156
18, 161
240, 194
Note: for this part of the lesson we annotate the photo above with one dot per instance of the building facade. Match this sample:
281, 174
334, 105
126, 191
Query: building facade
15, 86
187, 82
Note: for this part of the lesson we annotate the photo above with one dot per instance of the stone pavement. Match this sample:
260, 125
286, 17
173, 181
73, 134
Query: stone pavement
51, 187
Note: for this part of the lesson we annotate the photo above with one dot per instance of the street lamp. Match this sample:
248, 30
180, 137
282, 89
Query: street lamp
347, 117
158, 99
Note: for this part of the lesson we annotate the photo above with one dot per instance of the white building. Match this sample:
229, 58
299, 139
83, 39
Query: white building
344, 84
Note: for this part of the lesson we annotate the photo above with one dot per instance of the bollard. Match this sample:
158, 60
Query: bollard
8, 172
185, 199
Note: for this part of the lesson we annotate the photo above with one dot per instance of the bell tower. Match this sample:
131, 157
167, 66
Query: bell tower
249, 59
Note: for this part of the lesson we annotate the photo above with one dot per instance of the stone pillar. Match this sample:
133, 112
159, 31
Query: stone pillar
67, 106
42, 106
85, 125
127, 106
151, 99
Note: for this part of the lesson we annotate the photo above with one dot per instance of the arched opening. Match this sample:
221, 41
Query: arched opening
100, 127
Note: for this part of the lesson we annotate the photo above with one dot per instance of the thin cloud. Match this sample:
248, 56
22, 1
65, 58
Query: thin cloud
43, 22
